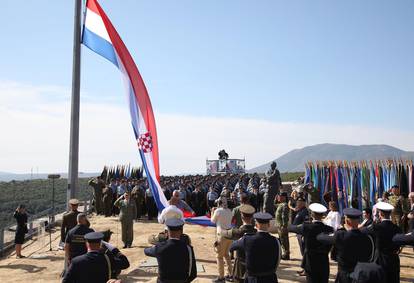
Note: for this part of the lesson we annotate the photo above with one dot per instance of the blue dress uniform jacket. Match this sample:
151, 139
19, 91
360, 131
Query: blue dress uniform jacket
262, 256
176, 261
315, 257
386, 252
404, 239
352, 247
93, 267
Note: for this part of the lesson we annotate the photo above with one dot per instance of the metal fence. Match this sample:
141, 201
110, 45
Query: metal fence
37, 224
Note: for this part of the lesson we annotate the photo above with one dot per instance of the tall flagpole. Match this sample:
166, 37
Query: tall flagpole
75, 103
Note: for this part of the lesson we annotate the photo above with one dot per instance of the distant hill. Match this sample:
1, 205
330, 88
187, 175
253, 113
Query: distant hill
7, 177
294, 160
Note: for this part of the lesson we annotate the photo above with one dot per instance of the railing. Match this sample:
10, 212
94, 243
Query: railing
37, 224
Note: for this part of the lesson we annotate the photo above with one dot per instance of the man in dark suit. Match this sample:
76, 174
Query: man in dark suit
262, 251
94, 266
176, 259
351, 244
386, 252
315, 259
367, 218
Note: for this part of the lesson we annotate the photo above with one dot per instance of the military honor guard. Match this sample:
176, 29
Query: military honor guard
247, 228
176, 259
127, 214
262, 251
352, 246
282, 222
94, 266
386, 251
315, 259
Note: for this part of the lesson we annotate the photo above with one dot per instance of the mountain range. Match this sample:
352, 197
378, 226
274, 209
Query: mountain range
7, 176
294, 160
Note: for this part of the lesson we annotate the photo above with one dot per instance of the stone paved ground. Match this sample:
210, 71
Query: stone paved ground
43, 265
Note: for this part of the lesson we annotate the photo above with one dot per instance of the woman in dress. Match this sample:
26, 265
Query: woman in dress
21, 230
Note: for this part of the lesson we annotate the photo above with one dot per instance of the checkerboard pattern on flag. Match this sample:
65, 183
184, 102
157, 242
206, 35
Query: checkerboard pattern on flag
145, 142
100, 36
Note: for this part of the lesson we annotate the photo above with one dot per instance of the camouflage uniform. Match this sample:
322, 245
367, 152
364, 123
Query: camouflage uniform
282, 222
401, 208
97, 194
107, 201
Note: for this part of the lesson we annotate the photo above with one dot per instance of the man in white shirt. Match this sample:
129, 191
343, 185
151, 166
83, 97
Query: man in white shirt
222, 217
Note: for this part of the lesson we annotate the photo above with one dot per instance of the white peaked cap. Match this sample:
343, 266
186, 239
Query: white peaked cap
384, 206
317, 208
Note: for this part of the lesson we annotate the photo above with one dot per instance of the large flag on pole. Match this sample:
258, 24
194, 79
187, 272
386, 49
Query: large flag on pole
100, 36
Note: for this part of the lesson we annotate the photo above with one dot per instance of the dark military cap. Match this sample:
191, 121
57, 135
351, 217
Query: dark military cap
174, 224
262, 217
94, 237
352, 213
283, 194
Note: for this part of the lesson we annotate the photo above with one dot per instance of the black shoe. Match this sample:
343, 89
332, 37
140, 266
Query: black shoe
219, 280
125, 246
229, 278
286, 257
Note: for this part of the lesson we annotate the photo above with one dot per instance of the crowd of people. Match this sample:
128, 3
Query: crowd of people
246, 209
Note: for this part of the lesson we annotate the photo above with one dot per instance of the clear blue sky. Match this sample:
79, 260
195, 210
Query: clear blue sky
319, 61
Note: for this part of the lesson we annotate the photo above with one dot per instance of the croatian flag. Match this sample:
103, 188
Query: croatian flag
100, 36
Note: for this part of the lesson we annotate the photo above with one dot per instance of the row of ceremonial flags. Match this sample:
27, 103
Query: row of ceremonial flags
121, 172
359, 184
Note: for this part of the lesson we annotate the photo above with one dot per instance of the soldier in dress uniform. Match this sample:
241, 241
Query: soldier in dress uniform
386, 252
75, 241
69, 219
176, 259
262, 251
127, 214
315, 259
352, 246
94, 266
112, 251
239, 267
282, 222
98, 185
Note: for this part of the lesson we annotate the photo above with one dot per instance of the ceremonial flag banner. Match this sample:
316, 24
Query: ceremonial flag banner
359, 184
100, 36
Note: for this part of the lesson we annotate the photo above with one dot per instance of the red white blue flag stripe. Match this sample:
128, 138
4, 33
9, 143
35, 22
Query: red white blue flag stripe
100, 36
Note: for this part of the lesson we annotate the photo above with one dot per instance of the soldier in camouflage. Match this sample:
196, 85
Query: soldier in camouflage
282, 222
401, 207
